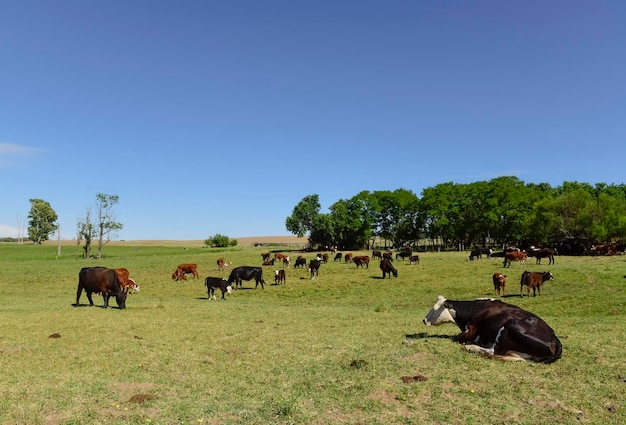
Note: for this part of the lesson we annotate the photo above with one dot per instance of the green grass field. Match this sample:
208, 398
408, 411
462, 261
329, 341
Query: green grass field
333, 350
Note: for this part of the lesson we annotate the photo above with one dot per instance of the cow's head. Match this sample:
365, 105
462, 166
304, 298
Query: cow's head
439, 314
120, 298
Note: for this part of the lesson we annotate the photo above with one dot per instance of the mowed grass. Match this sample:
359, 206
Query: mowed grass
332, 350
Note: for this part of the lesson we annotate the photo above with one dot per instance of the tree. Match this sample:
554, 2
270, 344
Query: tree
42, 221
220, 241
106, 226
301, 220
87, 231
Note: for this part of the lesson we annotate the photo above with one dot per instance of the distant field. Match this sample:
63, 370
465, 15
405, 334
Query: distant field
329, 351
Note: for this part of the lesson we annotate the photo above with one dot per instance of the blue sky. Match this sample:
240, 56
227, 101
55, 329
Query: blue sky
213, 117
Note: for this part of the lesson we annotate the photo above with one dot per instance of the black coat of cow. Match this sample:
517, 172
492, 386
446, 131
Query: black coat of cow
246, 273
314, 268
388, 268
100, 280
498, 329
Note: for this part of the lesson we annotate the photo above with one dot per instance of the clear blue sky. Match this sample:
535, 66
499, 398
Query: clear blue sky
213, 117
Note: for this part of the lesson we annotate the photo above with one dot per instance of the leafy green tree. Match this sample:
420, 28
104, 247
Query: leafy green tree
41, 221
85, 229
220, 241
351, 224
106, 225
301, 219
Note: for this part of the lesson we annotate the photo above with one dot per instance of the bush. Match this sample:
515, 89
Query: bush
220, 241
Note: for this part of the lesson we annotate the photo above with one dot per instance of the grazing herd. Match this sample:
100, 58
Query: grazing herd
489, 327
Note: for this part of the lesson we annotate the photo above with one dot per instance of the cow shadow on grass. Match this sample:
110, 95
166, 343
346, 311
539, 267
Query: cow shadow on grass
424, 335
94, 306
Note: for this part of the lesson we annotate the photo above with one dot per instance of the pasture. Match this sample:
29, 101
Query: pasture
348, 348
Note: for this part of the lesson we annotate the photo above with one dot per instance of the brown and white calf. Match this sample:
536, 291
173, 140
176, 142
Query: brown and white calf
499, 282
279, 277
533, 280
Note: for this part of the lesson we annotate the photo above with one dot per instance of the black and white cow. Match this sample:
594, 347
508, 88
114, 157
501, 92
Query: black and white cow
498, 329
314, 267
217, 282
246, 273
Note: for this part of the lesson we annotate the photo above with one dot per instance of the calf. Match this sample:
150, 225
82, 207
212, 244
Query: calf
348, 257
325, 258
377, 254
265, 256
221, 263
184, 269
388, 268
509, 257
279, 277
499, 282
268, 262
414, 259
314, 268
217, 282
499, 330
337, 257
533, 280
286, 262
361, 260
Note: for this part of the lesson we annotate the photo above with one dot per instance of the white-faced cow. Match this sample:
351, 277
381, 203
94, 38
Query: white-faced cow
100, 280
499, 330
387, 267
217, 282
279, 277
533, 280
314, 267
246, 273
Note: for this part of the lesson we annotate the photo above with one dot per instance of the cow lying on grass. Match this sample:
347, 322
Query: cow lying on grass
496, 329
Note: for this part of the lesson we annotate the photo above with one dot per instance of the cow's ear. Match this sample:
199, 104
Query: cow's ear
447, 304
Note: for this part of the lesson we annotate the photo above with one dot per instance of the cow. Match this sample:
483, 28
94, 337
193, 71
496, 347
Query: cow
279, 277
126, 282
377, 254
403, 255
325, 257
300, 262
498, 330
348, 257
286, 262
314, 268
533, 280
477, 253
279, 256
217, 282
509, 257
221, 263
337, 257
388, 255
100, 280
361, 260
268, 262
413, 259
387, 267
499, 282
246, 273
540, 253
265, 256
184, 269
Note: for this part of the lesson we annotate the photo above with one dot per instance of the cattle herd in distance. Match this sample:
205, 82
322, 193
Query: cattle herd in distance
490, 327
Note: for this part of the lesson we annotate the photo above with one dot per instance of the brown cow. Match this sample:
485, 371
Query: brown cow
286, 261
268, 262
387, 267
279, 277
499, 282
325, 258
348, 257
533, 280
220, 264
377, 254
361, 260
414, 259
509, 257
184, 269
126, 282
265, 255
279, 256
100, 280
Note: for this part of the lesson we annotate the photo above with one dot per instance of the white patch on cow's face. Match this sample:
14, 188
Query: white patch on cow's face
229, 289
439, 314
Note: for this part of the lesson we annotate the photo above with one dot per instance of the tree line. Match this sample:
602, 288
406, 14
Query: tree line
501, 211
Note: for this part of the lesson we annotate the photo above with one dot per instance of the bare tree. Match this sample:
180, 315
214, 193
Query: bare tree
107, 226
85, 230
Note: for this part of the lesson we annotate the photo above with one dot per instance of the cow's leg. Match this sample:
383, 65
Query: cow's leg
79, 291
88, 293
522, 341
105, 296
